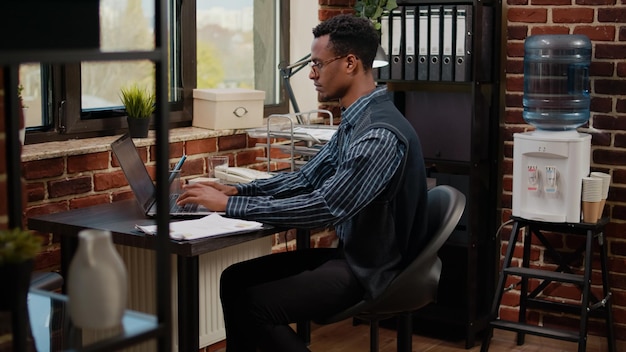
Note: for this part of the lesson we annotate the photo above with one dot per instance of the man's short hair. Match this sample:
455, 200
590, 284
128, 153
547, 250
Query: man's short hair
349, 34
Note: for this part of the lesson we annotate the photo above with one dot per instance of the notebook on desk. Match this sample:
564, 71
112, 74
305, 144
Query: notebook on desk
141, 184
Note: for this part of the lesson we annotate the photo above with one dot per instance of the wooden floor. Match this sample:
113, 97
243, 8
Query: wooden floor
344, 337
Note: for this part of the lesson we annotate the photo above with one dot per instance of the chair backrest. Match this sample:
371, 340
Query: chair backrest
416, 286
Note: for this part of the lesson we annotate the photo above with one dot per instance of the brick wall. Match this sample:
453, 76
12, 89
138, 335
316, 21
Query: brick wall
604, 22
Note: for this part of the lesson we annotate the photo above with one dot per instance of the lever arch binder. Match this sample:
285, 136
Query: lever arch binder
410, 60
385, 38
434, 54
463, 46
422, 43
397, 61
447, 49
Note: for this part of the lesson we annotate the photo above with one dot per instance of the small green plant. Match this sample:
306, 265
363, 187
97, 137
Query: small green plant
17, 246
373, 9
20, 90
139, 102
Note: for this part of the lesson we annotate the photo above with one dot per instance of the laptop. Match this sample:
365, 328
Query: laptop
142, 185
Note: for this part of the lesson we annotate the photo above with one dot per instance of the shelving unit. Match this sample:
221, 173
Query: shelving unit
301, 136
458, 122
12, 58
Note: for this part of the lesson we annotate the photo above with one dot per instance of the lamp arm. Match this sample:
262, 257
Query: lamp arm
286, 73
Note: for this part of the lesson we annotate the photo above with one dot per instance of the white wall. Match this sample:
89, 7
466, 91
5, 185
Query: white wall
303, 19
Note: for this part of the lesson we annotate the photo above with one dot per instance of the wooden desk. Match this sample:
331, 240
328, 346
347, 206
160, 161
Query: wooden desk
120, 218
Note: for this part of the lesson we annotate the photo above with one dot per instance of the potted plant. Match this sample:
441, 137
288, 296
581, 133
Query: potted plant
18, 249
373, 9
139, 104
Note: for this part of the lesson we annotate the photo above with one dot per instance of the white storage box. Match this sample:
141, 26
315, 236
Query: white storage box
221, 109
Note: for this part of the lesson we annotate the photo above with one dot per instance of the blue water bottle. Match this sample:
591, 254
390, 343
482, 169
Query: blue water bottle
556, 81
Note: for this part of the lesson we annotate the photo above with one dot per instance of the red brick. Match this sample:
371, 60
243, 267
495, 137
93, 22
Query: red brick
527, 15
87, 162
610, 86
620, 140
609, 51
143, 154
597, 33
614, 14
600, 104
517, 32
601, 69
572, 15
35, 191
539, 3
175, 151
600, 139
70, 186
621, 69
106, 181
550, 30
515, 49
201, 146
237, 141
609, 157
249, 156
194, 167
45, 168
326, 13
48, 208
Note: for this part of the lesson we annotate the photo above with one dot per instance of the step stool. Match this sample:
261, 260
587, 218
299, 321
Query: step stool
589, 305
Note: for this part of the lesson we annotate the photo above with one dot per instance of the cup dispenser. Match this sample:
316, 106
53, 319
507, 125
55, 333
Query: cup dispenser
547, 171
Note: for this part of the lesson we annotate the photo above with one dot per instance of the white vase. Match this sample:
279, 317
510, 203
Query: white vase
97, 286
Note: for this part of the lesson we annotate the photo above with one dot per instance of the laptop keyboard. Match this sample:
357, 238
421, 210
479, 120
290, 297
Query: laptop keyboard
181, 209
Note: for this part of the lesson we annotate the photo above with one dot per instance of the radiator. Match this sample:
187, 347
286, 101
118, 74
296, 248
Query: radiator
142, 285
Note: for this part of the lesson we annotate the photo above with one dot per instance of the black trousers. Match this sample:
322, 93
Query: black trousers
262, 296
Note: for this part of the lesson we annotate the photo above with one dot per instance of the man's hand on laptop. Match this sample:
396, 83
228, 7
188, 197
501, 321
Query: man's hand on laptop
213, 196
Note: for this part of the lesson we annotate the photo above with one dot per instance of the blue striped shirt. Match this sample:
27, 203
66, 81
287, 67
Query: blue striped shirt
346, 174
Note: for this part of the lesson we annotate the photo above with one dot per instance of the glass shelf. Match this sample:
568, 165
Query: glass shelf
52, 330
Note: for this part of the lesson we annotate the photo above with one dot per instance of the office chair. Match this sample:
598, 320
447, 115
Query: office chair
416, 286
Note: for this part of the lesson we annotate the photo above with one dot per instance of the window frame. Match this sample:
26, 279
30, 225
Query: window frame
64, 88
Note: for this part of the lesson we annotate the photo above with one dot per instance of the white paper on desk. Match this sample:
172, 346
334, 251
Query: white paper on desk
210, 225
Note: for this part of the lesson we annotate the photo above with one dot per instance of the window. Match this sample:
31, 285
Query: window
235, 43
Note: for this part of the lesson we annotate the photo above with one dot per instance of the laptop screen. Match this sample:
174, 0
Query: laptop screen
134, 170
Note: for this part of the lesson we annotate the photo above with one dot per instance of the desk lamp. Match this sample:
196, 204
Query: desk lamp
288, 71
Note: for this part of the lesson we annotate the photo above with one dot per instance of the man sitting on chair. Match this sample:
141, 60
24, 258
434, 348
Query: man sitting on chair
368, 182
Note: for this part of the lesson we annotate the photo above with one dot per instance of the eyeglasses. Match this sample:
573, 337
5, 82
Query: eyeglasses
316, 67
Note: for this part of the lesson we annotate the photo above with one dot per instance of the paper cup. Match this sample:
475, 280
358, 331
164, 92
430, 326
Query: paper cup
606, 182
591, 212
591, 189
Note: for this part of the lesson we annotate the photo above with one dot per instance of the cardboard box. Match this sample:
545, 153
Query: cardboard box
221, 109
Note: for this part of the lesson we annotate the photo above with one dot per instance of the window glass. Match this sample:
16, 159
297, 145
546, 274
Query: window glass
125, 25
237, 45
31, 94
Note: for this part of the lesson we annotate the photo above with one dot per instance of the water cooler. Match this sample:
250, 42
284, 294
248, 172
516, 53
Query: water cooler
550, 162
